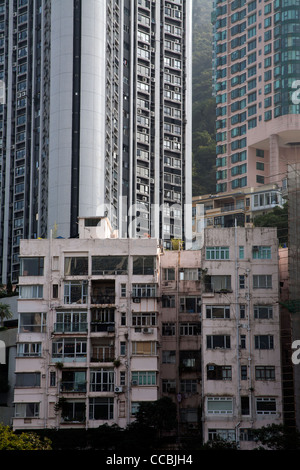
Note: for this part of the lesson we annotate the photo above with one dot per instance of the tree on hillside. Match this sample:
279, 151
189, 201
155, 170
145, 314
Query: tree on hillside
204, 116
278, 217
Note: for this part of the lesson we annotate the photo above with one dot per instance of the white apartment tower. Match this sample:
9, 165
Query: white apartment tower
96, 119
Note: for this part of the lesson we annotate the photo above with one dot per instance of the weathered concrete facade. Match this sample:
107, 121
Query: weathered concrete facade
118, 321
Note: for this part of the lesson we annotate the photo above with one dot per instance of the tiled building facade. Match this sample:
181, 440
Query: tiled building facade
256, 70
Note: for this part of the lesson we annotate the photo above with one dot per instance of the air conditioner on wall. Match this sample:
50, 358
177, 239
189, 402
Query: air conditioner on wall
118, 389
147, 331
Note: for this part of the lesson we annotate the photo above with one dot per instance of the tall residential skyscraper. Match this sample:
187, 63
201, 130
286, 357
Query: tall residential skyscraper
96, 119
256, 82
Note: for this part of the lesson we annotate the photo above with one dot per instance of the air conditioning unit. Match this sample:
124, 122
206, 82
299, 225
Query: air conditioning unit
118, 389
147, 331
134, 382
136, 300
111, 329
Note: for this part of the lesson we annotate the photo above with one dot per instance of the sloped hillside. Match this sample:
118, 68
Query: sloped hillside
204, 155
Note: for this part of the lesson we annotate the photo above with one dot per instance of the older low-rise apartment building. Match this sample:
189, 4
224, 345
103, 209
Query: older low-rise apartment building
106, 323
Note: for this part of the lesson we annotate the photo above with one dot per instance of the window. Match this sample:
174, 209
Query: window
28, 379
218, 311
189, 329
168, 301
75, 292
71, 321
169, 357
55, 291
76, 266
219, 405
189, 274
143, 319
29, 349
225, 434
245, 406
168, 329
32, 323
189, 360
123, 290
262, 281
102, 265
168, 386
261, 252
144, 265
69, 348
52, 379
264, 342
27, 410
264, 372
169, 274
242, 280
104, 351
32, 266
188, 386
144, 348
218, 283
102, 380
143, 290
74, 412
244, 372
122, 348
143, 378
242, 311
217, 252
218, 341
265, 406
263, 311
31, 292
190, 304
260, 179
215, 372
73, 381
122, 378
241, 252
246, 434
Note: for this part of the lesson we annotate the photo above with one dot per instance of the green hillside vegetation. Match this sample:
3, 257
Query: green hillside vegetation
204, 145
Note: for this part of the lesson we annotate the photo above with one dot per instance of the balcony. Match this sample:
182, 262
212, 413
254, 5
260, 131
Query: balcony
103, 350
144, 291
103, 293
102, 327
217, 284
73, 387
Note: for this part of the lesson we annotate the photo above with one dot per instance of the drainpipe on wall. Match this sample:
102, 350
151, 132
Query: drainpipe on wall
237, 326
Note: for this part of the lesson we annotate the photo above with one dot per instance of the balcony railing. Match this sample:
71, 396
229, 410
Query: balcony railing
232, 207
98, 327
210, 288
75, 387
101, 358
70, 327
102, 299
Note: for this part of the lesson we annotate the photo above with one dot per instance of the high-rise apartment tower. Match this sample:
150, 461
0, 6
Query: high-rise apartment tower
95, 119
256, 83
